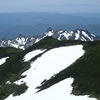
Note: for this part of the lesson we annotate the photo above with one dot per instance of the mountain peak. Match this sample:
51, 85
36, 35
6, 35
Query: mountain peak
49, 29
21, 35
49, 32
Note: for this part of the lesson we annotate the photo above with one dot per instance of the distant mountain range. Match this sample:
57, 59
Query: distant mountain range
29, 24
23, 42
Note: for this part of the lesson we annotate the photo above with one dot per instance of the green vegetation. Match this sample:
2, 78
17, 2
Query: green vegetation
11, 71
14, 89
85, 71
49, 43
15, 66
8, 51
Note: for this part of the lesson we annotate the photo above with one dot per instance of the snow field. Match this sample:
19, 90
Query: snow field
46, 66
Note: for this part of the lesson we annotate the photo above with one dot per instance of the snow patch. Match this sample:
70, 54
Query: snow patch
78, 31
71, 32
86, 35
77, 35
59, 91
8, 82
37, 40
15, 45
46, 66
83, 39
3, 60
22, 47
21, 40
65, 34
59, 38
50, 33
32, 38
32, 54
9, 42
93, 35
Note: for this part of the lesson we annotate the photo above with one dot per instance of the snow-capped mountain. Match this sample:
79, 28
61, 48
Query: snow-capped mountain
23, 42
77, 34
20, 41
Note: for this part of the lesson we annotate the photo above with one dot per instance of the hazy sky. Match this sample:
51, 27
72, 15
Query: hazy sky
58, 6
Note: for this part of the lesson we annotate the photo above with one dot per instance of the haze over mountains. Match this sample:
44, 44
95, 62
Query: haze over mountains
49, 49
15, 85
29, 24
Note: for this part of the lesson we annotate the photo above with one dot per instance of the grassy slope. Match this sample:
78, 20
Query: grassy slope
85, 71
14, 67
8, 51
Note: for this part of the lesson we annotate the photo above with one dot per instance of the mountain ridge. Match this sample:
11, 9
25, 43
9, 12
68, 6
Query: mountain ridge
22, 42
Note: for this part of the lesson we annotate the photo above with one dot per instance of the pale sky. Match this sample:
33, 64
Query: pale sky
58, 6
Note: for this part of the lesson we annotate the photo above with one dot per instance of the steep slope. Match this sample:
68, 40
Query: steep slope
43, 68
85, 71
50, 56
23, 42
14, 67
7, 52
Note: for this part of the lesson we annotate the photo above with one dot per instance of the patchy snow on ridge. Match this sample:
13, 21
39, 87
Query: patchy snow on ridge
37, 40
21, 40
50, 33
22, 47
65, 34
78, 31
32, 54
83, 39
93, 35
3, 60
86, 35
15, 45
77, 35
46, 66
